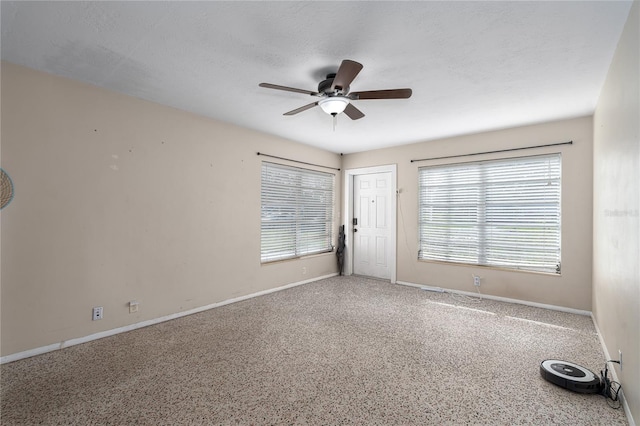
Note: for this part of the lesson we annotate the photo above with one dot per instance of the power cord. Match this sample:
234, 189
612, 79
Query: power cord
610, 388
468, 299
464, 298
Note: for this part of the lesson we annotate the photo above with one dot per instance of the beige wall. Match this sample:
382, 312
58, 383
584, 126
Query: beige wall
573, 288
119, 199
616, 221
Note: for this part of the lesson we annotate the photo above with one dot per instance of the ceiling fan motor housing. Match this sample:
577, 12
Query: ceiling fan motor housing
325, 86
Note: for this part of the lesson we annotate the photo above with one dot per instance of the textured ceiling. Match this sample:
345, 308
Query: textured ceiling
473, 66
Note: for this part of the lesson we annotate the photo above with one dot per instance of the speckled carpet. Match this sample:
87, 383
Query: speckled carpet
345, 350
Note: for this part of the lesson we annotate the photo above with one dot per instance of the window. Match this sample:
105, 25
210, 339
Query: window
297, 212
503, 213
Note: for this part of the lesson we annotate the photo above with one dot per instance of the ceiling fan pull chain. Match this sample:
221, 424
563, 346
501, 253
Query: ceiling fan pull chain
335, 121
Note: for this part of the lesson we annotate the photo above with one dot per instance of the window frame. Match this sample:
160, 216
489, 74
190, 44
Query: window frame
297, 205
467, 227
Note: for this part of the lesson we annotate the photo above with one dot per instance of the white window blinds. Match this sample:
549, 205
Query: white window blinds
503, 213
296, 213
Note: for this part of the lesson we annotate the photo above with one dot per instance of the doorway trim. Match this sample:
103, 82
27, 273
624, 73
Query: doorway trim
348, 214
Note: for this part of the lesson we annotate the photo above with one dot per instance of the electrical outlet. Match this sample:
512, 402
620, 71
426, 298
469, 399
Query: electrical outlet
620, 358
304, 270
133, 306
97, 313
476, 281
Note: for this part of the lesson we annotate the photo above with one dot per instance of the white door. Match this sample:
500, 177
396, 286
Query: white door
371, 229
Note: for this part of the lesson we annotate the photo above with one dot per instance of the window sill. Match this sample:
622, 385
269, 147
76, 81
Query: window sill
493, 268
306, 256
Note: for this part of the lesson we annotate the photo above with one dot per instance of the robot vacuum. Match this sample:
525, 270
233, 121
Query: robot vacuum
570, 376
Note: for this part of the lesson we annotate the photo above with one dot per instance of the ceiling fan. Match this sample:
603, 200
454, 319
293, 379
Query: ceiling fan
334, 93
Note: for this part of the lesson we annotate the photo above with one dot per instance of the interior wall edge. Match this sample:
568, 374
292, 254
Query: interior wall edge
616, 202
614, 373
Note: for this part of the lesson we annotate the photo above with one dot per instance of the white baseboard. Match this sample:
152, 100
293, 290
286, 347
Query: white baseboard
498, 298
614, 374
107, 333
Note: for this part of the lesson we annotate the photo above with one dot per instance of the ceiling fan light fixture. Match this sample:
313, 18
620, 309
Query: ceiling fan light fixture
333, 105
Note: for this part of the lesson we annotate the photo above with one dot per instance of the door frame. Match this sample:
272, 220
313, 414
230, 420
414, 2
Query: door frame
348, 215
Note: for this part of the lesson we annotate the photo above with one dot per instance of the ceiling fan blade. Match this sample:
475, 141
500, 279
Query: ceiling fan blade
302, 108
288, 89
382, 94
353, 112
346, 73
